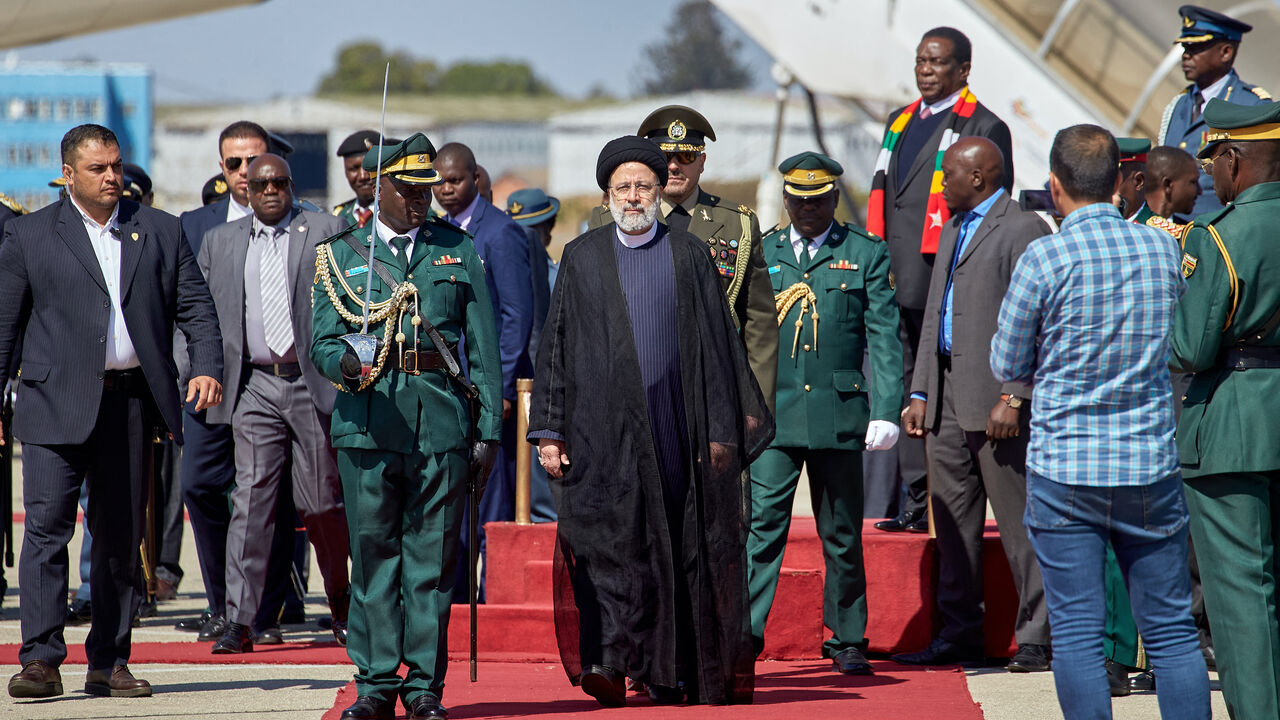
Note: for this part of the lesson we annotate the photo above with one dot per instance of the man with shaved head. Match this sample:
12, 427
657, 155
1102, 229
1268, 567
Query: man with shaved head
975, 428
1173, 182
259, 269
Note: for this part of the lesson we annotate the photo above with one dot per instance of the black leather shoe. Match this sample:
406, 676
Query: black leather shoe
1144, 681
1031, 658
269, 636
851, 661
919, 526
234, 641
941, 652
370, 708
214, 628
79, 612
425, 707
37, 679
663, 695
194, 625
605, 685
339, 608
898, 524
1118, 679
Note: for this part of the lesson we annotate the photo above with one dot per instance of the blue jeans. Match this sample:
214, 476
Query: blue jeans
1070, 526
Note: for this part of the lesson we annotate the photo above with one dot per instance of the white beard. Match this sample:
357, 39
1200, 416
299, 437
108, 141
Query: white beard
633, 224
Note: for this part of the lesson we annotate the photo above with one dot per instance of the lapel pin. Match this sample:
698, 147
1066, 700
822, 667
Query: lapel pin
135, 237
705, 215
302, 228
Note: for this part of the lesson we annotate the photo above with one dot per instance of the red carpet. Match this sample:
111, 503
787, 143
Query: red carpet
793, 689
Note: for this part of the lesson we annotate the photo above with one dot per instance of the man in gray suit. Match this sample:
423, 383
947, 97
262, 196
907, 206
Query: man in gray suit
259, 270
975, 429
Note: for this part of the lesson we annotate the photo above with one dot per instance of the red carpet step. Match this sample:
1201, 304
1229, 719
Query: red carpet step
783, 690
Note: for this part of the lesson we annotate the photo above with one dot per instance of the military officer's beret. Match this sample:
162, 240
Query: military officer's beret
677, 128
532, 206
629, 148
809, 174
359, 142
1202, 25
1229, 122
1133, 149
214, 189
408, 161
137, 184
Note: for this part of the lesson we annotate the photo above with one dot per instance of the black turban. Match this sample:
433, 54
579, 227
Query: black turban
630, 148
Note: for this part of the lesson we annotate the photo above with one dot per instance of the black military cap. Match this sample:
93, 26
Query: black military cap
1202, 25
214, 189
1229, 122
137, 184
277, 145
359, 142
1133, 149
809, 174
677, 128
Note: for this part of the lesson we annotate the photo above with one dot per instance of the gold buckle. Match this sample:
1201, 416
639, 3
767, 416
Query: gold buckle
409, 362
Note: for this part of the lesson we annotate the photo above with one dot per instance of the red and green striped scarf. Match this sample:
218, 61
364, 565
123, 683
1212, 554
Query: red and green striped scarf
936, 214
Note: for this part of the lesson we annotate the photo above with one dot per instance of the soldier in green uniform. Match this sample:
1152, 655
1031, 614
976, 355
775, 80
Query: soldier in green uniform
1227, 331
836, 275
731, 233
352, 151
401, 425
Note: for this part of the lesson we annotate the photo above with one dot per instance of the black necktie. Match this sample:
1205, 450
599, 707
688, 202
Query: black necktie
1195, 109
678, 218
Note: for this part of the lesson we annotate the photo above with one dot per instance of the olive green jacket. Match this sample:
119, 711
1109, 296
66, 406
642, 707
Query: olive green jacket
402, 412
346, 211
733, 238
1229, 416
823, 399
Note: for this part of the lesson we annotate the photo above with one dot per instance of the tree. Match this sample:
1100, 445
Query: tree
502, 77
694, 54
359, 66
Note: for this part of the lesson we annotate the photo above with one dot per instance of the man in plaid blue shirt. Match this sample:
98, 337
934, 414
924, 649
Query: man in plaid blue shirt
1087, 319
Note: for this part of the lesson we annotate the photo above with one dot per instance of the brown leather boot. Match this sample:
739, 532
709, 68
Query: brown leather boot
38, 679
119, 682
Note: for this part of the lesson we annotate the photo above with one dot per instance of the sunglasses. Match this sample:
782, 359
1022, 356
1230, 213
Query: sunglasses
684, 157
233, 163
279, 183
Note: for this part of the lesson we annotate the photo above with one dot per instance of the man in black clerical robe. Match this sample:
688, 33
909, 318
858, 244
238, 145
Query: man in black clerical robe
646, 413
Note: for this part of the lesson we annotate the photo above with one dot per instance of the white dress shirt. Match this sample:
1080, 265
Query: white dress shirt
235, 210
1215, 89
385, 234
943, 104
463, 219
106, 240
635, 241
797, 242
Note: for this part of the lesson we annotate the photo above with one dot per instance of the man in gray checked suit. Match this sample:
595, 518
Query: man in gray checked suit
260, 269
975, 429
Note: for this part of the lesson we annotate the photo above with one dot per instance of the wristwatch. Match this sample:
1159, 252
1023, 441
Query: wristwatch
1012, 401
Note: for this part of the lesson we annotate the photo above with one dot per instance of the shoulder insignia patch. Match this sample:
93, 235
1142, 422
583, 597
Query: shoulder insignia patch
1262, 94
12, 204
746, 210
1189, 262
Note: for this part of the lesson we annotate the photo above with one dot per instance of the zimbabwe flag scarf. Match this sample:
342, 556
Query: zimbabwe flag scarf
936, 213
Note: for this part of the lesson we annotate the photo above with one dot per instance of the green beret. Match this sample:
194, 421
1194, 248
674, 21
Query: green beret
677, 128
408, 161
809, 174
1133, 149
1239, 123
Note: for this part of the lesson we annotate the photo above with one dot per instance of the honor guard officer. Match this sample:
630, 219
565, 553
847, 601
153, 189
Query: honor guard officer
356, 211
1227, 331
822, 270
732, 233
1210, 42
401, 425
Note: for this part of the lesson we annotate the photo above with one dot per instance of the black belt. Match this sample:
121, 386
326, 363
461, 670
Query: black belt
416, 361
127, 381
284, 370
1249, 357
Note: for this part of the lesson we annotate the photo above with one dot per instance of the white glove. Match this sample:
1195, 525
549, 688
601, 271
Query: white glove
881, 435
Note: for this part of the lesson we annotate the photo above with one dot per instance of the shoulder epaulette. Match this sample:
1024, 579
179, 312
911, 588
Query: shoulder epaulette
12, 204
337, 209
862, 232
335, 236
1262, 94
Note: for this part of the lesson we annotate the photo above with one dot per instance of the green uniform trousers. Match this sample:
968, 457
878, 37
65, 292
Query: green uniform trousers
404, 513
1235, 525
1120, 640
835, 486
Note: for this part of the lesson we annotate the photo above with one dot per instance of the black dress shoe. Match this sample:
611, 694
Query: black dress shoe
941, 652
851, 661
234, 641
215, 627
605, 685
370, 708
339, 608
37, 679
194, 625
269, 636
1144, 681
79, 612
663, 695
1031, 658
1118, 679
426, 707
919, 526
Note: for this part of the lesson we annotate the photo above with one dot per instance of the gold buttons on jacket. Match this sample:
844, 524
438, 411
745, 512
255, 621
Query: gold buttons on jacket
807, 388
844, 286
453, 278
806, 347
806, 276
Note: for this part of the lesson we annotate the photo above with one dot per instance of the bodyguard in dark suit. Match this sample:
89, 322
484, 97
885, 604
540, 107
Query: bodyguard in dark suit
259, 271
975, 429
906, 210
93, 287
504, 248
1210, 42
